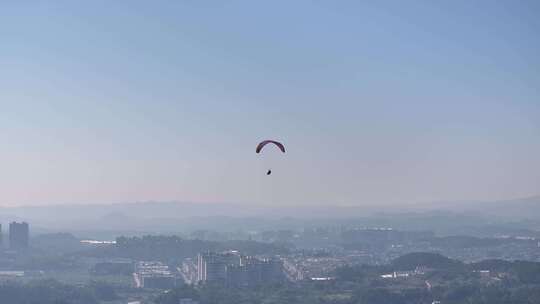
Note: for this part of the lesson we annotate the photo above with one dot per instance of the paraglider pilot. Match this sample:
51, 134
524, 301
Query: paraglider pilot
264, 143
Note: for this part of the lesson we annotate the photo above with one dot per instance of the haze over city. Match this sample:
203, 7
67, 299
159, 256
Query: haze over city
392, 103
270, 152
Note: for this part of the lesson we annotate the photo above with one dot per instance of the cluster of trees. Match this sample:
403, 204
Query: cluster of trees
524, 272
274, 294
521, 272
53, 292
49, 252
430, 260
56, 243
466, 242
475, 293
45, 262
454, 294
338, 293
174, 249
452, 280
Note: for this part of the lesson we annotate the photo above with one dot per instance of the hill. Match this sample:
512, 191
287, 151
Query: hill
431, 260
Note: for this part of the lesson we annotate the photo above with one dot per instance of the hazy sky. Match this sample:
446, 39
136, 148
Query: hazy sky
376, 101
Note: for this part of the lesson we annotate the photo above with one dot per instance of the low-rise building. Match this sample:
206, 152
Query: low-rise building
155, 275
253, 272
188, 301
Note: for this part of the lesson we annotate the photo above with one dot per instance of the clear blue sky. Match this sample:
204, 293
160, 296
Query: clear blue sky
376, 101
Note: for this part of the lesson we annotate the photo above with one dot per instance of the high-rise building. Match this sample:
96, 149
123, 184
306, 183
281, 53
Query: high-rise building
212, 267
234, 269
18, 235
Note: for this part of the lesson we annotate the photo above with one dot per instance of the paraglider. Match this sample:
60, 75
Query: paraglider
263, 143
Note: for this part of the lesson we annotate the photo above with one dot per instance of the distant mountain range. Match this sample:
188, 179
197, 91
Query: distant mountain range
521, 208
131, 218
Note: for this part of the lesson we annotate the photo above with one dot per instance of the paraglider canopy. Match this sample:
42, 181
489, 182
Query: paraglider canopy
263, 143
